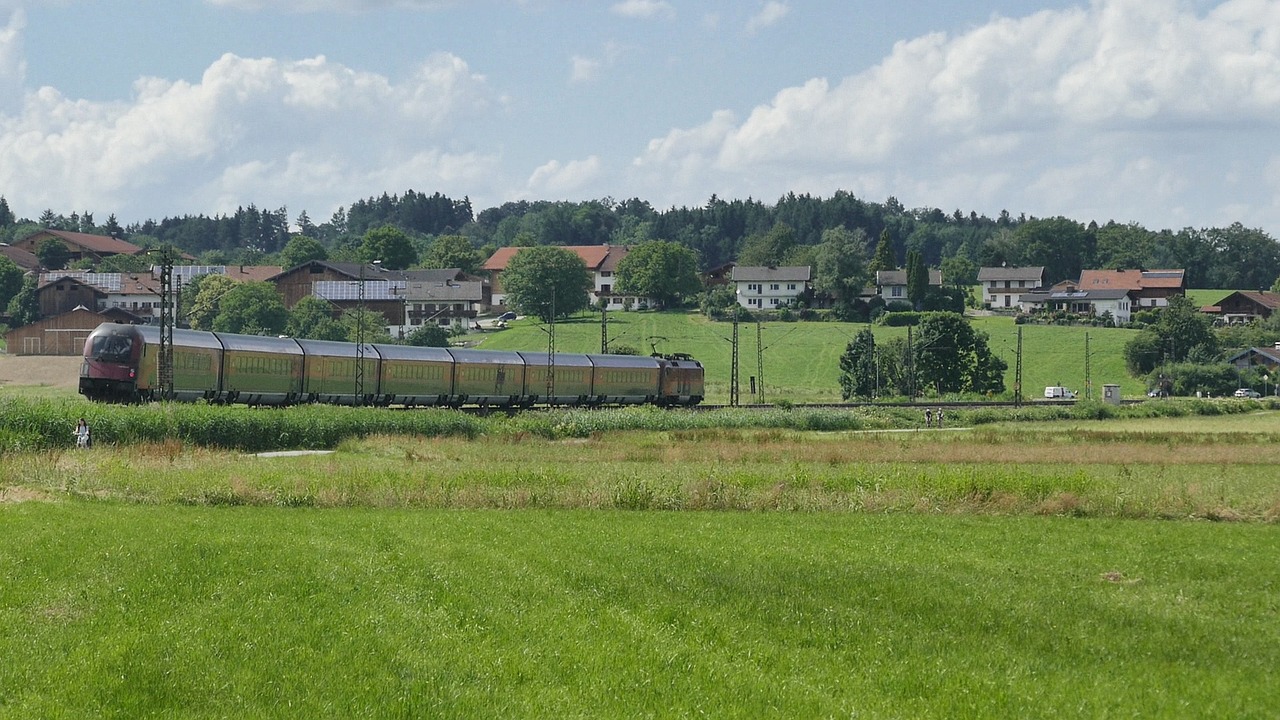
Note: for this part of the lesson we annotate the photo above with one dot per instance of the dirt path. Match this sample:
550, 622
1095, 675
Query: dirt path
48, 370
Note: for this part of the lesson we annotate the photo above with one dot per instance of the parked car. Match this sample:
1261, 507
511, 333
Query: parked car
1155, 393
1057, 392
508, 315
1248, 393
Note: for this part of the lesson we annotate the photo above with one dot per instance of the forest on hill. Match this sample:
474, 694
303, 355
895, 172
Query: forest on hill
748, 231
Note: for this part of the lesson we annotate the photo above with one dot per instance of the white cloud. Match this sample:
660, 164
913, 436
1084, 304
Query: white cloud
557, 180
13, 66
584, 69
1126, 108
279, 127
770, 13
644, 9
588, 69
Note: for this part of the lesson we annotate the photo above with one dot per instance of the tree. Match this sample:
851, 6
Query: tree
369, 323
452, 251
430, 335
311, 317
1061, 245
10, 280
917, 279
959, 271
768, 249
202, 300
300, 250
539, 279
1179, 330
951, 356
7, 217
662, 270
389, 245
885, 258
24, 308
251, 308
858, 372
53, 254
840, 264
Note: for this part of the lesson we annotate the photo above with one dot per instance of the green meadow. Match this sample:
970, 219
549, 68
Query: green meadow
1121, 566
801, 360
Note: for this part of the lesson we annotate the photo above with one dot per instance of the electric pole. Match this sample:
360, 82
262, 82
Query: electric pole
1017, 373
759, 363
733, 372
166, 322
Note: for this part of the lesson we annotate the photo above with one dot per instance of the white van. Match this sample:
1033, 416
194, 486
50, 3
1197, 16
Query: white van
1057, 392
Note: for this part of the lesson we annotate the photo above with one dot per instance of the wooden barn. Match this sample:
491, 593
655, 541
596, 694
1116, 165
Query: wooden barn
61, 334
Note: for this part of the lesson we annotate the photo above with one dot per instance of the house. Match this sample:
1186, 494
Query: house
892, 284
407, 299
138, 293
80, 245
1002, 286
1090, 303
1151, 288
410, 299
25, 260
1244, 306
61, 334
768, 288
718, 275
1267, 358
601, 261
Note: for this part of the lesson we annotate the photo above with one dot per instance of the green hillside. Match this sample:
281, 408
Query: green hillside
801, 359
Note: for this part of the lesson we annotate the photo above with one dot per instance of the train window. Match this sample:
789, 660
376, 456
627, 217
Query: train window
112, 348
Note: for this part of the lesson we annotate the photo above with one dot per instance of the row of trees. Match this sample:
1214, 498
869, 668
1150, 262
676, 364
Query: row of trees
750, 232
943, 355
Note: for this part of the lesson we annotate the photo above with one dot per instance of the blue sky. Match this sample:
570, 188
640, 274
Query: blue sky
1163, 112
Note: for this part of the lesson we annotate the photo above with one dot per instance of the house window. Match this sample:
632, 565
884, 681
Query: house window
773, 301
605, 273
753, 301
791, 286
896, 291
752, 286
1006, 285
1022, 283
775, 286
606, 288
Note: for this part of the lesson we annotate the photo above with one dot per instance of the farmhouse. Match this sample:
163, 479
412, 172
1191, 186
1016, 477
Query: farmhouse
79, 245
1244, 306
892, 284
1002, 286
1150, 288
1267, 358
765, 288
1119, 304
601, 261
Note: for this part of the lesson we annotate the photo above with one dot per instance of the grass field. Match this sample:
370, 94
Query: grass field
801, 360
197, 612
1096, 568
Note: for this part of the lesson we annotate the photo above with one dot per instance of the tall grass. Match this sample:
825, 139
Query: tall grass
42, 424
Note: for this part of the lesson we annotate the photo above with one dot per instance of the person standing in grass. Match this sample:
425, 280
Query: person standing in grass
928, 417
82, 434
939, 418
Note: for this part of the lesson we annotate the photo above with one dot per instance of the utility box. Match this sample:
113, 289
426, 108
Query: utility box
1111, 394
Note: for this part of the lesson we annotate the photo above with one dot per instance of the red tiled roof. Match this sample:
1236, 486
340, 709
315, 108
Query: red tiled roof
1131, 279
99, 244
593, 255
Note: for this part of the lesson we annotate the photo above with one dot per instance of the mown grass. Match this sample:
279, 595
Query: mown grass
126, 611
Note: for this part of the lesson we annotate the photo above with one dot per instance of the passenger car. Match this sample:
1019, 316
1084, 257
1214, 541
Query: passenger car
1247, 393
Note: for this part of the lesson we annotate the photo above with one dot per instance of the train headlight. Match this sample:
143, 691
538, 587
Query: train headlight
132, 372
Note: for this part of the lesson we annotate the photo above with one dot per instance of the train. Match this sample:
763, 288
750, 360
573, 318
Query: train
121, 364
